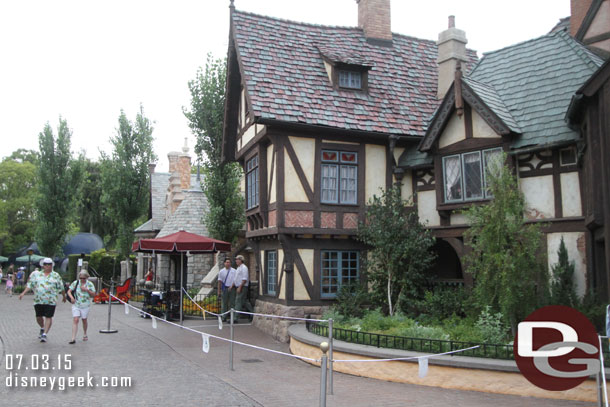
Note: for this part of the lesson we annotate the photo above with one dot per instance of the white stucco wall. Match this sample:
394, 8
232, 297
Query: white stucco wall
271, 179
538, 194
426, 208
458, 219
306, 151
375, 170
570, 194
454, 132
578, 256
480, 128
406, 189
293, 189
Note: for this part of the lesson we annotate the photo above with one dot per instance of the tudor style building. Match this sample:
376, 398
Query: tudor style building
322, 118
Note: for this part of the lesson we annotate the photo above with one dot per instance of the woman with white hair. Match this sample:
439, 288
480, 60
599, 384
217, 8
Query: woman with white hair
80, 294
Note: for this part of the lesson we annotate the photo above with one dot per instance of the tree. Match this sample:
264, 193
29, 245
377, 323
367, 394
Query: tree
508, 271
90, 214
225, 217
562, 284
22, 155
401, 247
125, 176
57, 178
17, 197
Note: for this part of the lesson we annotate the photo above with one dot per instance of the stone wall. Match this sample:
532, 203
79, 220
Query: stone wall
199, 265
278, 328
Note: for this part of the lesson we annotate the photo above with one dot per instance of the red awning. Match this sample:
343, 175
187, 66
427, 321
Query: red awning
181, 242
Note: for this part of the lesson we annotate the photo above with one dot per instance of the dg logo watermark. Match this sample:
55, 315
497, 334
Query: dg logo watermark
557, 348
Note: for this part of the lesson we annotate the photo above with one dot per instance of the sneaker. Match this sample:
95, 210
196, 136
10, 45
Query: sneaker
43, 338
41, 333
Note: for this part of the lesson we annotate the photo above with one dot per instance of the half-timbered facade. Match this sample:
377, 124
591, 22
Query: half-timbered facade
514, 102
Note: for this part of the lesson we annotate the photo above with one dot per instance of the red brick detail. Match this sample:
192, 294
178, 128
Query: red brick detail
272, 219
328, 220
350, 220
298, 219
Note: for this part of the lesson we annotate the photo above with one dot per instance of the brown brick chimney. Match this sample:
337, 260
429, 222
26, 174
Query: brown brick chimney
578, 11
180, 177
374, 19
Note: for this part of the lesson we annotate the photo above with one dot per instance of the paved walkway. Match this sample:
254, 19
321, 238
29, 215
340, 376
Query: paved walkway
167, 367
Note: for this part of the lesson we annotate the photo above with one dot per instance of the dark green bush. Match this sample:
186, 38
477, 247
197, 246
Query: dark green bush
439, 303
352, 300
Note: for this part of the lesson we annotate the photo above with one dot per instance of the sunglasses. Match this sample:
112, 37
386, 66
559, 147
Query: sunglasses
47, 264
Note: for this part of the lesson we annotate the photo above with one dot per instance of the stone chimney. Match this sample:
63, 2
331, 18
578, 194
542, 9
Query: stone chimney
578, 11
179, 179
374, 19
451, 52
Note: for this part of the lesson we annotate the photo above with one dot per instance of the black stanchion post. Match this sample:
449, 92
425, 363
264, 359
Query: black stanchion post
108, 330
330, 356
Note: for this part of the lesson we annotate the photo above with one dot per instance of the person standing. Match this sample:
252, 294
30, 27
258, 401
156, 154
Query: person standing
226, 288
46, 285
80, 295
242, 303
20, 275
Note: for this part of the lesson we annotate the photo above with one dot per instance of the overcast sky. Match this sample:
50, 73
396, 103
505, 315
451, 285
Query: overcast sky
86, 60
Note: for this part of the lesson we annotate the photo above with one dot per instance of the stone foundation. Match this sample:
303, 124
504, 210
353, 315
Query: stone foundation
278, 328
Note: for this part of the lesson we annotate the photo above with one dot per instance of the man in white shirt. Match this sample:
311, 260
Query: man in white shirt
243, 278
226, 287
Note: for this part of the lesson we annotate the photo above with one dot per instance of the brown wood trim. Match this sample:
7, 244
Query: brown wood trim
557, 185
468, 121
263, 176
439, 180
281, 184
297, 167
472, 144
317, 175
361, 200
300, 266
255, 140
262, 232
537, 173
426, 188
273, 154
388, 167
341, 147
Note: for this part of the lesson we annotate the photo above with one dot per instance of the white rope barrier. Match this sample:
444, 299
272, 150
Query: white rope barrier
409, 358
254, 313
203, 309
218, 337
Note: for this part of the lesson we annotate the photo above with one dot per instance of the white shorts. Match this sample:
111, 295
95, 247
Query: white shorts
80, 312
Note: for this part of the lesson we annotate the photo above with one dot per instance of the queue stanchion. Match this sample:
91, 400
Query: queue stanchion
231, 346
330, 356
324, 349
109, 330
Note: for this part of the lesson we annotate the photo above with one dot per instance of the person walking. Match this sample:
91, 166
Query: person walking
226, 288
10, 282
80, 295
46, 285
242, 303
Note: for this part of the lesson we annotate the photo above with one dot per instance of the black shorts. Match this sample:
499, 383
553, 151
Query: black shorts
44, 310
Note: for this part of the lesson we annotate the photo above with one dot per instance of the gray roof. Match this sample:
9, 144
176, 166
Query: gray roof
535, 81
490, 97
159, 185
188, 216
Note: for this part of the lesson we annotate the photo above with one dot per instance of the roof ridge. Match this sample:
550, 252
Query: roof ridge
344, 27
592, 60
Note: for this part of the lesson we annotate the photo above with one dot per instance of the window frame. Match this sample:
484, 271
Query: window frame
252, 170
350, 73
485, 193
339, 163
268, 283
340, 271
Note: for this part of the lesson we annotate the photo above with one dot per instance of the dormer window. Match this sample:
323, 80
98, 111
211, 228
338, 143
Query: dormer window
350, 79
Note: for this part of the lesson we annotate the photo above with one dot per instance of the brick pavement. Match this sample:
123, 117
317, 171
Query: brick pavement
167, 366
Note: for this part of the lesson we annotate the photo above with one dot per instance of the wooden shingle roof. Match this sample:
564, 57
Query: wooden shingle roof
282, 67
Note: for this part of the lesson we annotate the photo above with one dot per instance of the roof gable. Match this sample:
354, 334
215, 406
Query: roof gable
282, 69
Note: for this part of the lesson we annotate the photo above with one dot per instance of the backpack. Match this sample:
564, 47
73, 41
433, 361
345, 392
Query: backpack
67, 287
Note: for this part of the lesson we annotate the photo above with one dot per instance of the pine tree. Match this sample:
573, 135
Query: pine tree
562, 286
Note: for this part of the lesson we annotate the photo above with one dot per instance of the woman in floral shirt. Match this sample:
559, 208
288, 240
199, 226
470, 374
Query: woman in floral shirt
80, 294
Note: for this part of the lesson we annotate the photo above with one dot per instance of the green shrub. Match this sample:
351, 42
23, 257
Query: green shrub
440, 303
491, 326
594, 310
351, 300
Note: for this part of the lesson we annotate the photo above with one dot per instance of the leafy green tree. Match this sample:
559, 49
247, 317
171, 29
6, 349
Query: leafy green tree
509, 274
17, 197
562, 282
57, 178
92, 216
22, 155
125, 176
401, 248
225, 217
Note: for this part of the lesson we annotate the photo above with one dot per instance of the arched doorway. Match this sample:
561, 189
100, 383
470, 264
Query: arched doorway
447, 266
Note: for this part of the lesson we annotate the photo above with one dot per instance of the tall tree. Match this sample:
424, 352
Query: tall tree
400, 251
509, 273
225, 216
17, 197
125, 177
57, 178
